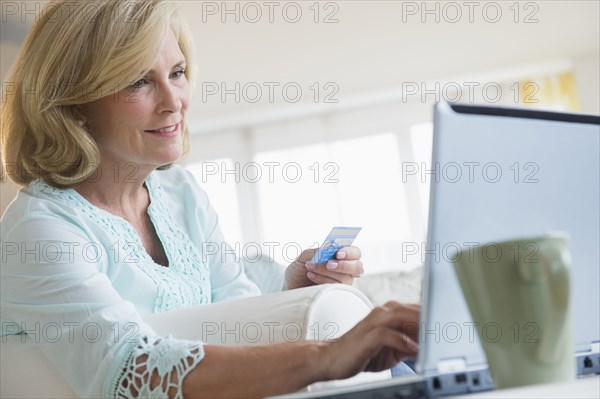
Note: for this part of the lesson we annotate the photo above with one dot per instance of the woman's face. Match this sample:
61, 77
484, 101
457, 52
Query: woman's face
141, 124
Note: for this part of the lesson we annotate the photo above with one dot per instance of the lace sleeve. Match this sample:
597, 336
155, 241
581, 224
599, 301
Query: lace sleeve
156, 368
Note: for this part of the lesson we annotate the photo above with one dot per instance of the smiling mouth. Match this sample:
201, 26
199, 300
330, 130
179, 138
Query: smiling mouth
169, 131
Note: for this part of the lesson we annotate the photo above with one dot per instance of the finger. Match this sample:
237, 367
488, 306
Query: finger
320, 279
410, 307
381, 347
398, 317
348, 252
306, 255
353, 268
406, 344
396, 340
339, 277
407, 313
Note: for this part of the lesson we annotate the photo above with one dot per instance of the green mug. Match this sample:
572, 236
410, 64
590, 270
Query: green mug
518, 295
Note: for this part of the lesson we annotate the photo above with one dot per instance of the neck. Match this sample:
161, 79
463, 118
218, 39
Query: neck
118, 188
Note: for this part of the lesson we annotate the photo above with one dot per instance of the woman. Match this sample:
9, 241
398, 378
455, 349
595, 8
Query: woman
106, 228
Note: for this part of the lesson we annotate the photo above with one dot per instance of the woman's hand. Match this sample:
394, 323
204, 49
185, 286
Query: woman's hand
343, 268
382, 339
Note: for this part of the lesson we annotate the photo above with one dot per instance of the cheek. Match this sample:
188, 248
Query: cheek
122, 124
135, 114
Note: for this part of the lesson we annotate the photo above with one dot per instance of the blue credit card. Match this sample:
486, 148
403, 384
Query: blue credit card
337, 238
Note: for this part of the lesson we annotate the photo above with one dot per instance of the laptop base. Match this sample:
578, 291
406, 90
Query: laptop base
462, 382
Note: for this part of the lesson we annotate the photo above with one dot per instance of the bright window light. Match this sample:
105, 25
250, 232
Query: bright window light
422, 141
345, 183
222, 192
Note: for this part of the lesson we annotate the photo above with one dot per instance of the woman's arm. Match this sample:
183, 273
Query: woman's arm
259, 371
378, 342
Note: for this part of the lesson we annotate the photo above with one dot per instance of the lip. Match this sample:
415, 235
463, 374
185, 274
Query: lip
166, 134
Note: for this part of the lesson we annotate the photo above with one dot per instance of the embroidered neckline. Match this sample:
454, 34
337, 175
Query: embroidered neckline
185, 282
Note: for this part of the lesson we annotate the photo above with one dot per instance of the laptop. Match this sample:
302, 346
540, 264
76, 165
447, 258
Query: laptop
499, 174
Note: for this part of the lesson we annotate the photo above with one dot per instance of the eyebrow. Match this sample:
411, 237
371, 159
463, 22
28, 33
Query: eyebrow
180, 63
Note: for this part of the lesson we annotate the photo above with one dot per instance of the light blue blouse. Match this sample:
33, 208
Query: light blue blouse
77, 280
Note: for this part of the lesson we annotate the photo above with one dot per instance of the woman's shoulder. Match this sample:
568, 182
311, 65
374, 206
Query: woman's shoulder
39, 198
39, 206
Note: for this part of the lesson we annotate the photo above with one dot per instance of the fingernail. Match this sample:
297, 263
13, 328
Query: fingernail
311, 275
341, 254
311, 266
332, 265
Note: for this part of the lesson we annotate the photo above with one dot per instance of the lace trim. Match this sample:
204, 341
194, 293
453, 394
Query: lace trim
180, 250
119, 367
157, 367
185, 282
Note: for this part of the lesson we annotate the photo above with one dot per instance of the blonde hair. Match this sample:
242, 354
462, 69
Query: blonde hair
77, 52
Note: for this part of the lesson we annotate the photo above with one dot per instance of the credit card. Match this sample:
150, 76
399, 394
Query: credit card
337, 238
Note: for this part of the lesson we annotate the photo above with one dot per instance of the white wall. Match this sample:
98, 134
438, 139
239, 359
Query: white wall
369, 50
587, 75
375, 47
8, 189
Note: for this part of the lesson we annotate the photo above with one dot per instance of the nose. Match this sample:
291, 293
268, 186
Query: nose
169, 98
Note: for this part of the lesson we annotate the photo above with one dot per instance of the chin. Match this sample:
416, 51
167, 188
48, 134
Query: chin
170, 154
163, 160
168, 160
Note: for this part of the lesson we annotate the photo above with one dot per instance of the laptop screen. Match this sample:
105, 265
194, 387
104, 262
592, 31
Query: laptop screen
499, 174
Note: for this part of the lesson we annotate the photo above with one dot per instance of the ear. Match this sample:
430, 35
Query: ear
79, 116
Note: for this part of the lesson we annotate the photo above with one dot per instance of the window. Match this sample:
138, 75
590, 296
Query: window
221, 187
281, 183
344, 183
286, 200
421, 137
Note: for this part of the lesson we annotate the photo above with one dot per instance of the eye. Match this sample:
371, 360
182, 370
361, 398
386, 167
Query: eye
178, 73
138, 84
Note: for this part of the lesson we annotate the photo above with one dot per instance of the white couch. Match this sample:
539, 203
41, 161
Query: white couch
320, 312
